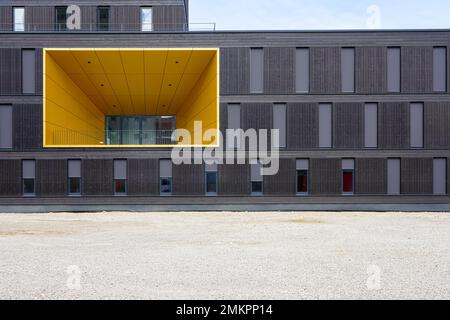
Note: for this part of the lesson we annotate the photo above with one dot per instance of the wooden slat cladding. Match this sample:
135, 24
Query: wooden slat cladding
10, 177
302, 126
27, 126
51, 177
40, 18
223, 124
143, 177
97, 177
437, 125
169, 18
371, 176
348, 128
279, 67
188, 179
417, 176
11, 71
6, 18
234, 180
393, 125
325, 176
234, 71
125, 18
257, 116
370, 70
284, 182
417, 69
39, 70
325, 70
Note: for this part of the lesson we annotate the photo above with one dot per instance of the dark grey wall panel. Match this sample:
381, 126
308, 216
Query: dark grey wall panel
27, 126
88, 18
188, 179
417, 69
284, 182
39, 18
325, 70
437, 125
10, 177
125, 18
370, 70
325, 176
417, 176
371, 176
6, 18
169, 18
302, 126
143, 177
348, 125
97, 177
11, 71
393, 125
257, 116
51, 177
234, 71
39, 70
234, 180
279, 67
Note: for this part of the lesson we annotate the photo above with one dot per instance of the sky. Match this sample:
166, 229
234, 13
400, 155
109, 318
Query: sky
320, 14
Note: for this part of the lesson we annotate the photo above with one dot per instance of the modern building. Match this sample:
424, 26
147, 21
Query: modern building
91, 92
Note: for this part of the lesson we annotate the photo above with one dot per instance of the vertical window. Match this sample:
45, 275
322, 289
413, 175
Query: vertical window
348, 169
279, 122
74, 176
28, 177
440, 69
393, 69
234, 122
348, 69
302, 176
146, 19
393, 176
416, 126
165, 177
302, 70
103, 18
440, 176
256, 70
120, 177
256, 179
19, 19
61, 18
211, 179
28, 71
325, 123
371, 125
5, 127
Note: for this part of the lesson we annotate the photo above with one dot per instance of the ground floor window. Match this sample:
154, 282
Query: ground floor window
165, 186
302, 181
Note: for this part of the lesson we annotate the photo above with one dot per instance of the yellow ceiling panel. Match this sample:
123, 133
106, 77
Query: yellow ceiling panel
88, 61
136, 84
66, 61
153, 83
151, 104
177, 60
185, 87
155, 61
111, 61
139, 104
199, 61
132, 60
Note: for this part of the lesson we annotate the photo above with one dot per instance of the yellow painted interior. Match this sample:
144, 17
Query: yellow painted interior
83, 86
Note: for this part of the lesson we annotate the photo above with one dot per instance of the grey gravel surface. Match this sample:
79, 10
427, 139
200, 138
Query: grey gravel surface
320, 255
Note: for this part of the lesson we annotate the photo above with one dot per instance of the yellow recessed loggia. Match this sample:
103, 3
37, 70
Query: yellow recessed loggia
85, 88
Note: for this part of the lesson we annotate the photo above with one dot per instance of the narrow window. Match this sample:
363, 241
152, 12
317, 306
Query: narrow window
393, 176
146, 19
28, 71
103, 18
371, 125
74, 176
165, 177
348, 169
348, 69
256, 179
211, 179
28, 177
440, 69
279, 122
325, 124
393, 69
5, 127
440, 176
61, 18
302, 176
302, 70
256, 70
416, 127
234, 122
19, 19
120, 177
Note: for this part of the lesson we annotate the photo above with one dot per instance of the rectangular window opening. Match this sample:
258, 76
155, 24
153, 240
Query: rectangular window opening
6, 141
103, 18
348, 70
146, 19
74, 176
120, 177
28, 177
19, 19
61, 18
302, 166
393, 69
256, 179
165, 177
302, 70
256, 70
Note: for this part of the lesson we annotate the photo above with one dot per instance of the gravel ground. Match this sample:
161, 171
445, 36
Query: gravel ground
225, 256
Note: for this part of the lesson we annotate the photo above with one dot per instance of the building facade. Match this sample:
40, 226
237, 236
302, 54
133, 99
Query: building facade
89, 99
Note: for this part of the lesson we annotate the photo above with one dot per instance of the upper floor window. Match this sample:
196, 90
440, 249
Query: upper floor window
61, 18
19, 19
146, 19
103, 18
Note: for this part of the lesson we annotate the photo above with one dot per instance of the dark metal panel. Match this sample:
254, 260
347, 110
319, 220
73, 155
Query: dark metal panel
125, 18
417, 69
39, 18
417, 176
284, 182
39, 70
188, 179
27, 126
371, 176
325, 70
325, 176
393, 125
437, 125
97, 177
143, 177
88, 18
169, 18
6, 18
348, 125
448, 175
11, 71
223, 122
51, 177
370, 72
302, 126
279, 67
10, 177
234, 71
257, 116
234, 180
